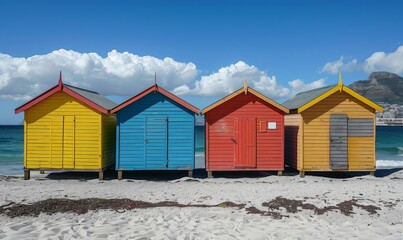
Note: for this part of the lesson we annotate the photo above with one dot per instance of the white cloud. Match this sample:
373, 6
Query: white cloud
378, 61
230, 78
381, 61
120, 73
298, 85
333, 67
126, 74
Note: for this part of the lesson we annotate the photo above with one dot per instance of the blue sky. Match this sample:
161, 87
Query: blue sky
201, 50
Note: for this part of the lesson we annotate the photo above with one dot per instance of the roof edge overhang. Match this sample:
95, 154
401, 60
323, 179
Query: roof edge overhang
341, 88
245, 90
156, 88
60, 88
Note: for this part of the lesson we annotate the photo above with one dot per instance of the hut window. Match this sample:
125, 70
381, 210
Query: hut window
360, 127
271, 125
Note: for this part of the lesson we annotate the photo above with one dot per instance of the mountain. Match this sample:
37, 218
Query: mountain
381, 87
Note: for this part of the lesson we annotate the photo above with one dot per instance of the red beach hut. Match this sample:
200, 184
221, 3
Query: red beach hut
245, 132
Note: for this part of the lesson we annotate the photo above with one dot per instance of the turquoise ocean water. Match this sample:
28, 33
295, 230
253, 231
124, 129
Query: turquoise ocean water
389, 148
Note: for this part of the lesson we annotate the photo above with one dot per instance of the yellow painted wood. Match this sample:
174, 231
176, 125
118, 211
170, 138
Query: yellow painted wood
341, 88
62, 133
318, 99
315, 140
362, 99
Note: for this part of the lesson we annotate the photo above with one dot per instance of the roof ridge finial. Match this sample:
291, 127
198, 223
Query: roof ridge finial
340, 82
60, 83
245, 86
155, 82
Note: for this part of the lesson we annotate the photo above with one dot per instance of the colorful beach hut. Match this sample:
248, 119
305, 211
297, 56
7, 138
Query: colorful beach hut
244, 132
330, 129
68, 128
155, 130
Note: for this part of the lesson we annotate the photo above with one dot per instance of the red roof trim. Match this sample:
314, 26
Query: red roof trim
60, 88
38, 99
85, 100
159, 89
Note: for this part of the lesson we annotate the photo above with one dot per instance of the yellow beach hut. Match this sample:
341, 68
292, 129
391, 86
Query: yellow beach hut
68, 128
330, 129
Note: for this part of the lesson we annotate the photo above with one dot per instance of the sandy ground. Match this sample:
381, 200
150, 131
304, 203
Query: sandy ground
384, 191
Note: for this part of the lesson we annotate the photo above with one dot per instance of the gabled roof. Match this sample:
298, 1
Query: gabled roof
156, 88
93, 96
245, 90
305, 100
92, 99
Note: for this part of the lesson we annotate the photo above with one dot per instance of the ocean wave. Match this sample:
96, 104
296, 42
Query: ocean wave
400, 148
389, 163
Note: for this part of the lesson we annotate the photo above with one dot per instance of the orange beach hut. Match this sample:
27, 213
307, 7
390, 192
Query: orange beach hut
330, 129
68, 128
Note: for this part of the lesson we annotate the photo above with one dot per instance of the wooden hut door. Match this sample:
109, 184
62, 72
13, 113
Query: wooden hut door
245, 143
156, 142
68, 142
338, 142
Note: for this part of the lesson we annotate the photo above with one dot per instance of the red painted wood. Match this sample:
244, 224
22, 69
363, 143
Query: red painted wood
245, 143
221, 151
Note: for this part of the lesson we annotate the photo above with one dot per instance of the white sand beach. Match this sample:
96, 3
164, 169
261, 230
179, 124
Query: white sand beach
221, 222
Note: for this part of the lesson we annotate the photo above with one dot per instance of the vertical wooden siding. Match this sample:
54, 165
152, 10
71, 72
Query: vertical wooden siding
131, 132
293, 140
220, 147
46, 135
316, 134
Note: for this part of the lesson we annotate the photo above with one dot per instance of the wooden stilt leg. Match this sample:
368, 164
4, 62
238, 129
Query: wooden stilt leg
27, 174
101, 175
209, 174
120, 175
42, 172
190, 173
280, 173
302, 174
372, 173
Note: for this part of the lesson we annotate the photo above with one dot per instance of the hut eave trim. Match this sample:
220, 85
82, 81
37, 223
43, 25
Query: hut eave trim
240, 91
66, 89
153, 89
345, 89
362, 99
318, 99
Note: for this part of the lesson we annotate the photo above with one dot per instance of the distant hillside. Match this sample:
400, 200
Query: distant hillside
382, 87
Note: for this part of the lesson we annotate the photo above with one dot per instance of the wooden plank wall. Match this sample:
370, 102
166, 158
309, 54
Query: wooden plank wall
131, 132
361, 155
220, 148
293, 140
44, 134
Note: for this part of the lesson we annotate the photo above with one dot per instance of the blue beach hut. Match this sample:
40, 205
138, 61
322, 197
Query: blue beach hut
155, 130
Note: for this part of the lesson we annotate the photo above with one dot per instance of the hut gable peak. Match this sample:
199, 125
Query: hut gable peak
60, 82
245, 89
154, 89
305, 100
92, 99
